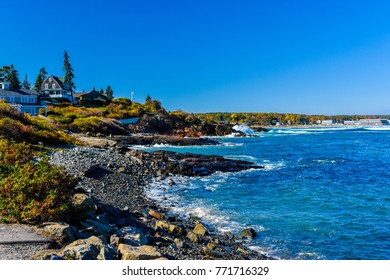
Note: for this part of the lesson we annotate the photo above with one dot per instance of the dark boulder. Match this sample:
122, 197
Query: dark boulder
248, 233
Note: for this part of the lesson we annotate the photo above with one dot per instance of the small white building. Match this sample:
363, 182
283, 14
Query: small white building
327, 122
351, 122
374, 122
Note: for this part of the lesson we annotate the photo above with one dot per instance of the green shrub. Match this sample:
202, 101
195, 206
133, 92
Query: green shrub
89, 124
6, 111
30, 191
97, 125
14, 129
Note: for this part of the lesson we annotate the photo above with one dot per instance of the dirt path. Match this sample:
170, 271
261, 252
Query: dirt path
20, 242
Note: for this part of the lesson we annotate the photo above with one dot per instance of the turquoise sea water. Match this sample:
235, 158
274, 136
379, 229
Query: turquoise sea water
323, 194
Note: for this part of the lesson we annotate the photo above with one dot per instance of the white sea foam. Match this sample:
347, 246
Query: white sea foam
167, 195
309, 255
377, 128
139, 147
244, 128
231, 144
297, 131
241, 157
273, 166
181, 147
329, 161
263, 250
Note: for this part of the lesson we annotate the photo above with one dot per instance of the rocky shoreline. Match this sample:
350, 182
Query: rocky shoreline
114, 219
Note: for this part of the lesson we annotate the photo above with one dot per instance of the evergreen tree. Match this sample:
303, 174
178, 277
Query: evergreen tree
40, 78
5, 73
26, 83
148, 99
109, 93
101, 91
68, 73
12, 77
2, 74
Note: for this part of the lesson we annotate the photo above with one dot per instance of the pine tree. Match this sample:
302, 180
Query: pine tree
68, 73
40, 78
13, 78
26, 83
148, 99
109, 93
3, 73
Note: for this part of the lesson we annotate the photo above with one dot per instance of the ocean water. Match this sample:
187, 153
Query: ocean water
323, 194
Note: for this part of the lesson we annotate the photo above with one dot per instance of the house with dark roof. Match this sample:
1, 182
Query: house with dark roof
53, 89
25, 100
92, 97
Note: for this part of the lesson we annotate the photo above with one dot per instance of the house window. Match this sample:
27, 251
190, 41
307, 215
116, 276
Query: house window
50, 79
46, 86
53, 86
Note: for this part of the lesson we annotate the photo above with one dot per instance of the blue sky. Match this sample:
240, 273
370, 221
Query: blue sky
313, 57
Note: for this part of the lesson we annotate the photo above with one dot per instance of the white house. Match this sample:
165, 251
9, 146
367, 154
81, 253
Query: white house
327, 122
26, 100
375, 122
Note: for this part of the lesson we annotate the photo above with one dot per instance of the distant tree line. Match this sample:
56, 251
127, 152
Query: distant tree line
281, 118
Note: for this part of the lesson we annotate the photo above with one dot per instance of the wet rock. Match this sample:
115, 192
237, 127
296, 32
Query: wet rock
200, 229
156, 215
162, 225
212, 253
248, 233
180, 243
193, 237
242, 251
171, 182
211, 246
177, 230
145, 252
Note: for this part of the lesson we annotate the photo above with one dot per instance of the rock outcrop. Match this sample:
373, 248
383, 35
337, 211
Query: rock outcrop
122, 223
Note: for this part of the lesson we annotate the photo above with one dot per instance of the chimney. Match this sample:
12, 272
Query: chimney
5, 85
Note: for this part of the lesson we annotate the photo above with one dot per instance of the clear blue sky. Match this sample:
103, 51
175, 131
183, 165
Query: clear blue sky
325, 57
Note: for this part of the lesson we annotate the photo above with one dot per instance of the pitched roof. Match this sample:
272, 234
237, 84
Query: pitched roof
18, 92
59, 80
92, 93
